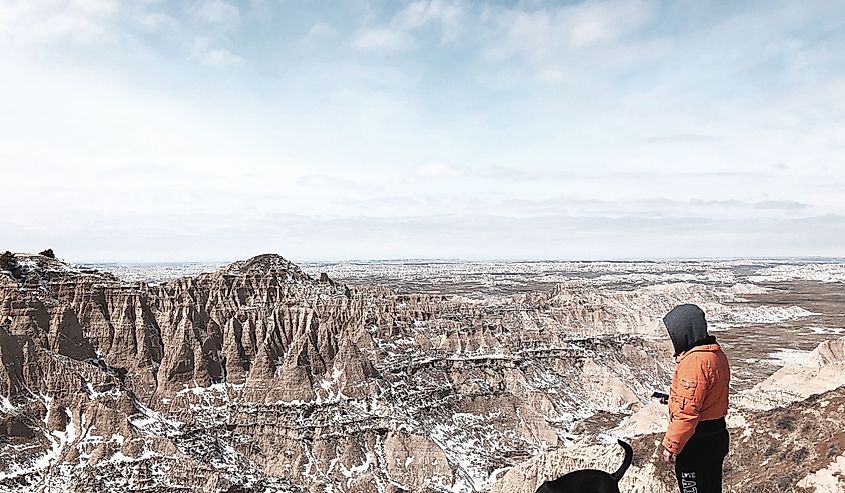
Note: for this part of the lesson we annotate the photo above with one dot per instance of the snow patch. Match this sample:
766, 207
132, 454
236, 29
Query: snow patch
5, 405
821, 272
763, 315
785, 356
829, 479
827, 330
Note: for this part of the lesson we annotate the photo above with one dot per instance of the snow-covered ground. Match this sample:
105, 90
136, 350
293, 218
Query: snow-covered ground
822, 271
503, 277
154, 273
459, 390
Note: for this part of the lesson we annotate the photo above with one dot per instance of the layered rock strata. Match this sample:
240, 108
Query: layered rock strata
259, 377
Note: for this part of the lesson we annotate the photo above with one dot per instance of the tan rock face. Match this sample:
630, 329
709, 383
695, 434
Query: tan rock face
644, 475
822, 370
260, 378
798, 447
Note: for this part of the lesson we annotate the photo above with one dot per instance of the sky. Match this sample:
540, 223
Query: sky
146, 130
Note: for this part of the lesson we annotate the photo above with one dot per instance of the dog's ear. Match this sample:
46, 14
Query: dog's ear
545, 488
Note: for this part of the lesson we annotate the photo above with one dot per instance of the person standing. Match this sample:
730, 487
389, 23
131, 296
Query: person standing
697, 438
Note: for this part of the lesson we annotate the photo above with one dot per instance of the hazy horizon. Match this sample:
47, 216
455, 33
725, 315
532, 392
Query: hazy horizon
451, 260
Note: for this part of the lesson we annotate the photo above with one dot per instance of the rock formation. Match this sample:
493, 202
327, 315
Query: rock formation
258, 377
787, 435
258, 372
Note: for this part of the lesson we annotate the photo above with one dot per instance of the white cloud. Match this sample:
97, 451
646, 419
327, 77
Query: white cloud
382, 39
33, 23
321, 30
206, 50
203, 31
437, 169
516, 32
97, 7
218, 13
449, 16
596, 22
158, 21
214, 22
219, 57
559, 35
399, 34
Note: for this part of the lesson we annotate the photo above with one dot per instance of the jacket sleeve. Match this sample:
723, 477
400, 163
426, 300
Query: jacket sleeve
686, 395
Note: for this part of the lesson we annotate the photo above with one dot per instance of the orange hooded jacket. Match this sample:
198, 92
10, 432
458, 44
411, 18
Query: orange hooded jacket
699, 392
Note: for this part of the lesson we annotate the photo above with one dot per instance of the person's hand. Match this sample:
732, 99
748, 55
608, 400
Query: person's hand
668, 457
664, 400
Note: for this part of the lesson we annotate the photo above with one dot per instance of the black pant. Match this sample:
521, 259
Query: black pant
699, 465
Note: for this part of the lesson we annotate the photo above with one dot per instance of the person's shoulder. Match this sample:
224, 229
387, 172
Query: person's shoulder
702, 357
693, 359
718, 353
722, 357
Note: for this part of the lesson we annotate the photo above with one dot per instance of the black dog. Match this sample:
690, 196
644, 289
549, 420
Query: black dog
590, 480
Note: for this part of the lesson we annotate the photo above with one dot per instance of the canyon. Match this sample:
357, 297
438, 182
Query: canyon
265, 375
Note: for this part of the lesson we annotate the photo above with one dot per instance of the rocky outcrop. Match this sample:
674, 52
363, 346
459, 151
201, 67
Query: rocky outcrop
644, 476
822, 370
256, 372
786, 435
259, 377
594, 310
796, 448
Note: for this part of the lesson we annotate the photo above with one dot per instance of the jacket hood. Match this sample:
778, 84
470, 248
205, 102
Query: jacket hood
687, 328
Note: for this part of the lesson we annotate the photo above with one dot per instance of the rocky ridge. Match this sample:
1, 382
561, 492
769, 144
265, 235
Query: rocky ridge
258, 377
787, 435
